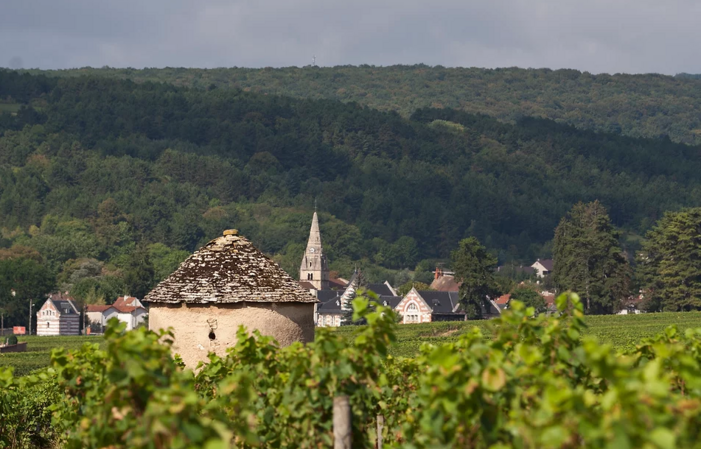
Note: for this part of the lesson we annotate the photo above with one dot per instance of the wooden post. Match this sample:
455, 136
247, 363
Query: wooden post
380, 426
341, 423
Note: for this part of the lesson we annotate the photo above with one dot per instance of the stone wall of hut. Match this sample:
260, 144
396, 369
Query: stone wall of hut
202, 328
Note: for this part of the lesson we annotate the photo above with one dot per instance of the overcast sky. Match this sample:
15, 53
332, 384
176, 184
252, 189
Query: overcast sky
633, 36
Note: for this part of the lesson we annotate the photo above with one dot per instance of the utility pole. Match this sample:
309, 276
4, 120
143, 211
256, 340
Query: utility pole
30, 316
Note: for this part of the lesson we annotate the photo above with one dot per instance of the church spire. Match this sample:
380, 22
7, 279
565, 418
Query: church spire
314, 268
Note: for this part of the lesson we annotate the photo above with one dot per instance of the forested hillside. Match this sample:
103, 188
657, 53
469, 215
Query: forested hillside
648, 105
109, 184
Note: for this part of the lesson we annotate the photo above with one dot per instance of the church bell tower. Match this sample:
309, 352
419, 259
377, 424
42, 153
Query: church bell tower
315, 267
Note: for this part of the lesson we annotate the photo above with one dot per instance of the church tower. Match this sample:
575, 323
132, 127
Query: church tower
315, 267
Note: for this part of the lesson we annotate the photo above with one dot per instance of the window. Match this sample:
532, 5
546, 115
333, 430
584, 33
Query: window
48, 325
412, 307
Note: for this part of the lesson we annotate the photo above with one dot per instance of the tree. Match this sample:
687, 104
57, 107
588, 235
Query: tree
406, 287
530, 297
474, 268
30, 280
139, 273
588, 259
669, 267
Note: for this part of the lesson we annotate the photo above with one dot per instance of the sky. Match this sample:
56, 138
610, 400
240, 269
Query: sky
599, 36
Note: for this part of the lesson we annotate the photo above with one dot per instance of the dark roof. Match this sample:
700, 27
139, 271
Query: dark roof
63, 304
326, 295
229, 269
330, 306
390, 301
380, 289
440, 302
547, 263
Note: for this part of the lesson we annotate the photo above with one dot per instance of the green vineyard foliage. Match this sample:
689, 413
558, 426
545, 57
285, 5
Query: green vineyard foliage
536, 382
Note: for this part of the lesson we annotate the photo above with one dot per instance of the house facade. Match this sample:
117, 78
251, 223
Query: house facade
430, 306
97, 317
58, 316
543, 267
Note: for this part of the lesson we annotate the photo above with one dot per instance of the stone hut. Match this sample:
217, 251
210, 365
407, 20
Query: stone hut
227, 283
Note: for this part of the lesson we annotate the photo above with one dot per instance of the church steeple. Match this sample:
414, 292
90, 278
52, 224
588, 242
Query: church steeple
315, 268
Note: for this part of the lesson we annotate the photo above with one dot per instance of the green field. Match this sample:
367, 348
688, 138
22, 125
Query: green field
38, 353
621, 331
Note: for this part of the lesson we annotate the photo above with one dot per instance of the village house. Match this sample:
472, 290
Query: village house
543, 267
126, 309
331, 308
429, 306
223, 285
58, 316
97, 317
444, 281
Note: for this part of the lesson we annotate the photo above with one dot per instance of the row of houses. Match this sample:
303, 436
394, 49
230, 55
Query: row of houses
60, 316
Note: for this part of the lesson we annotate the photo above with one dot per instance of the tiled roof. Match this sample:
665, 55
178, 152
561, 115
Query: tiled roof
332, 306
126, 301
440, 302
229, 269
547, 263
380, 289
445, 283
64, 304
504, 299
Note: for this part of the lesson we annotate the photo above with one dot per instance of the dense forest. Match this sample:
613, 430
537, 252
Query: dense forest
108, 184
650, 105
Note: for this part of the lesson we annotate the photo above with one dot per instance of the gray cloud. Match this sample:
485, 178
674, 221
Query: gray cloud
633, 36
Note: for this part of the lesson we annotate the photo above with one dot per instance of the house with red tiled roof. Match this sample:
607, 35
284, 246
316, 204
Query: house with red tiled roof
130, 311
97, 317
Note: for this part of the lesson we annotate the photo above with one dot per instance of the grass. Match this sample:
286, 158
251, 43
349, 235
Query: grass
38, 353
622, 331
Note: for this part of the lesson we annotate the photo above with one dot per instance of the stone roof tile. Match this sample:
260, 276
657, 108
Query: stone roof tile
229, 269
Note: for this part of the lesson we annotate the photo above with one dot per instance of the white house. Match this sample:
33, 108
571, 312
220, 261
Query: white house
130, 311
126, 309
58, 316
98, 316
543, 267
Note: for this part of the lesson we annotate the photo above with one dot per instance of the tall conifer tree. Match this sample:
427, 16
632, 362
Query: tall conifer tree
474, 268
669, 267
589, 260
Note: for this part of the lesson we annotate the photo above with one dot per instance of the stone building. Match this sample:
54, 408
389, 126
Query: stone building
315, 267
227, 283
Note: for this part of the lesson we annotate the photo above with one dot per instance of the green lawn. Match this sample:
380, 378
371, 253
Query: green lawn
38, 353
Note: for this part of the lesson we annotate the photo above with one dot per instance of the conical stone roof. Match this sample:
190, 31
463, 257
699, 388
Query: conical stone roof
229, 269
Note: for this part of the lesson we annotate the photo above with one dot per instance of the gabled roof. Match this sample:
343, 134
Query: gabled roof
441, 302
229, 269
546, 263
97, 308
380, 289
63, 304
503, 299
445, 283
127, 301
333, 306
